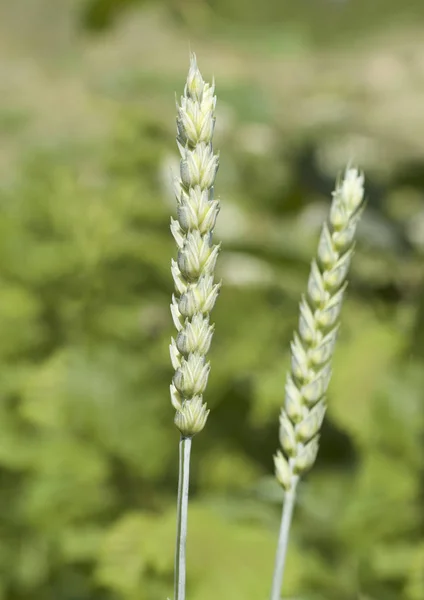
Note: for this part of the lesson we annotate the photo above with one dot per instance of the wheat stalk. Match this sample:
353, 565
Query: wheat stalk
311, 352
195, 290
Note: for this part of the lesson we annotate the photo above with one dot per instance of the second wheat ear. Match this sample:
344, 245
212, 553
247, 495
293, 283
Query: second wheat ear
312, 350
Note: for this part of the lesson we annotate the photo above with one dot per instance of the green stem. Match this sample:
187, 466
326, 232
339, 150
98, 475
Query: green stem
283, 541
182, 510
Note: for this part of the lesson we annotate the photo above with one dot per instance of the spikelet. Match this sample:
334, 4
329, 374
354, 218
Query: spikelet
313, 344
193, 271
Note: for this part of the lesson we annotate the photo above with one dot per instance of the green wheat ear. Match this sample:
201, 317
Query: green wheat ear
193, 271
312, 350
195, 289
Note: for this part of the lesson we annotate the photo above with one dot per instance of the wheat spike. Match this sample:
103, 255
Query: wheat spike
313, 343
193, 271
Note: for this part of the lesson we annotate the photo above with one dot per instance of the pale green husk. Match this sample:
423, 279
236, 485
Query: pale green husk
313, 344
193, 271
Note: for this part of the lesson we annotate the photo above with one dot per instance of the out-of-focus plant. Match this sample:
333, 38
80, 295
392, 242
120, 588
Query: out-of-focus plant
311, 353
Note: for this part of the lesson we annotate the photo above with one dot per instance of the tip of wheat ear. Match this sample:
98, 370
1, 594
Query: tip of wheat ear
313, 344
193, 270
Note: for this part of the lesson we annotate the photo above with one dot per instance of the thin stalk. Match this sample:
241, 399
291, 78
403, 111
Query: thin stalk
182, 510
283, 541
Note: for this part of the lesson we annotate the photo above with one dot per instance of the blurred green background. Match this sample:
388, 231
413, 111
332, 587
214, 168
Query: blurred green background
88, 449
